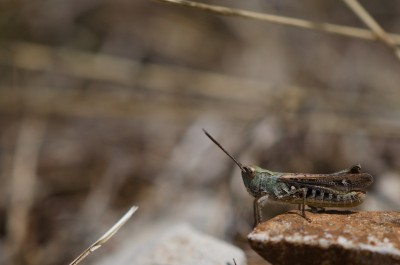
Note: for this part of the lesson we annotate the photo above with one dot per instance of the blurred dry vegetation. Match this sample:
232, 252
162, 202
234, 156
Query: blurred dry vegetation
102, 105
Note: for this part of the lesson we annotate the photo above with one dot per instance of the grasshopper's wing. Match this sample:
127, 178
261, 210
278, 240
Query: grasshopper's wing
345, 182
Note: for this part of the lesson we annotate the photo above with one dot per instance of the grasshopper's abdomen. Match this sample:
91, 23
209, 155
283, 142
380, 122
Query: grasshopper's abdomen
320, 196
326, 199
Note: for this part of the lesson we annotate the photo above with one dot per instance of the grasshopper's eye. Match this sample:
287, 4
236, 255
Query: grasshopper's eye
250, 171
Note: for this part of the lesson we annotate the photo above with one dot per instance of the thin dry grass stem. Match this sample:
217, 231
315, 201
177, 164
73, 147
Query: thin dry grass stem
74, 62
106, 236
295, 22
368, 20
23, 183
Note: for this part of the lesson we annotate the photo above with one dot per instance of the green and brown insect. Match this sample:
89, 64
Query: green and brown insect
346, 188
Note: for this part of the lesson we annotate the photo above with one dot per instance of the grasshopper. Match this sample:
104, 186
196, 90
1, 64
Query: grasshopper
346, 188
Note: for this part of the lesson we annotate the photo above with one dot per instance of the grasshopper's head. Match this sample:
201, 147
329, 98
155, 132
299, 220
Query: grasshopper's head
248, 174
248, 171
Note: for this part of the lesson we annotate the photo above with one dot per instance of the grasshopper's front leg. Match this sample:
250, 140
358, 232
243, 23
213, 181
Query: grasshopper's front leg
257, 208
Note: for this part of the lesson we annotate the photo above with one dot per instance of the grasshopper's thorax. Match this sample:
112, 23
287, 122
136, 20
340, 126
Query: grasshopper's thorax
258, 181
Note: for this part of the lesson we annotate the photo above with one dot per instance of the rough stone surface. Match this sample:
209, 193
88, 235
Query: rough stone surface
332, 237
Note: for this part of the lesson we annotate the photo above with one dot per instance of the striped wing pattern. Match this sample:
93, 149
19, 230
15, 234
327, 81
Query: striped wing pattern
344, 182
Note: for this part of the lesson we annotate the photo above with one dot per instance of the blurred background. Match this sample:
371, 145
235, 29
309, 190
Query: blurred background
102, 105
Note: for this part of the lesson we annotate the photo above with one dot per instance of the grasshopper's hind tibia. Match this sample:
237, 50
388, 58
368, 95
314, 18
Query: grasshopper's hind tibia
303, 205
298, 192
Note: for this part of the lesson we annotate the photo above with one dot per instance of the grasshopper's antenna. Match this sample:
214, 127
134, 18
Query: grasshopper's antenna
223, 149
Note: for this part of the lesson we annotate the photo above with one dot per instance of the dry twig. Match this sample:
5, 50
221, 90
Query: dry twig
107, 235
368, 20
295, 22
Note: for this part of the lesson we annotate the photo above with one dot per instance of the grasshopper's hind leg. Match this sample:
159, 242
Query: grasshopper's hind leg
302, 206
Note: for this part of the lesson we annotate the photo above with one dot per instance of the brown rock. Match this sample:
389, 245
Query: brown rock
332, 237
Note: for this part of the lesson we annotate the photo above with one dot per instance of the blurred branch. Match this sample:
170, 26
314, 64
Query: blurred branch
181, 93
168, 79
101, 67
43, 101
106, 236
23, 183
368, 20
71, 103
37, 57
288, 21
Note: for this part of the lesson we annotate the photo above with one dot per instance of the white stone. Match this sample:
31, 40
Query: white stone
177, 245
